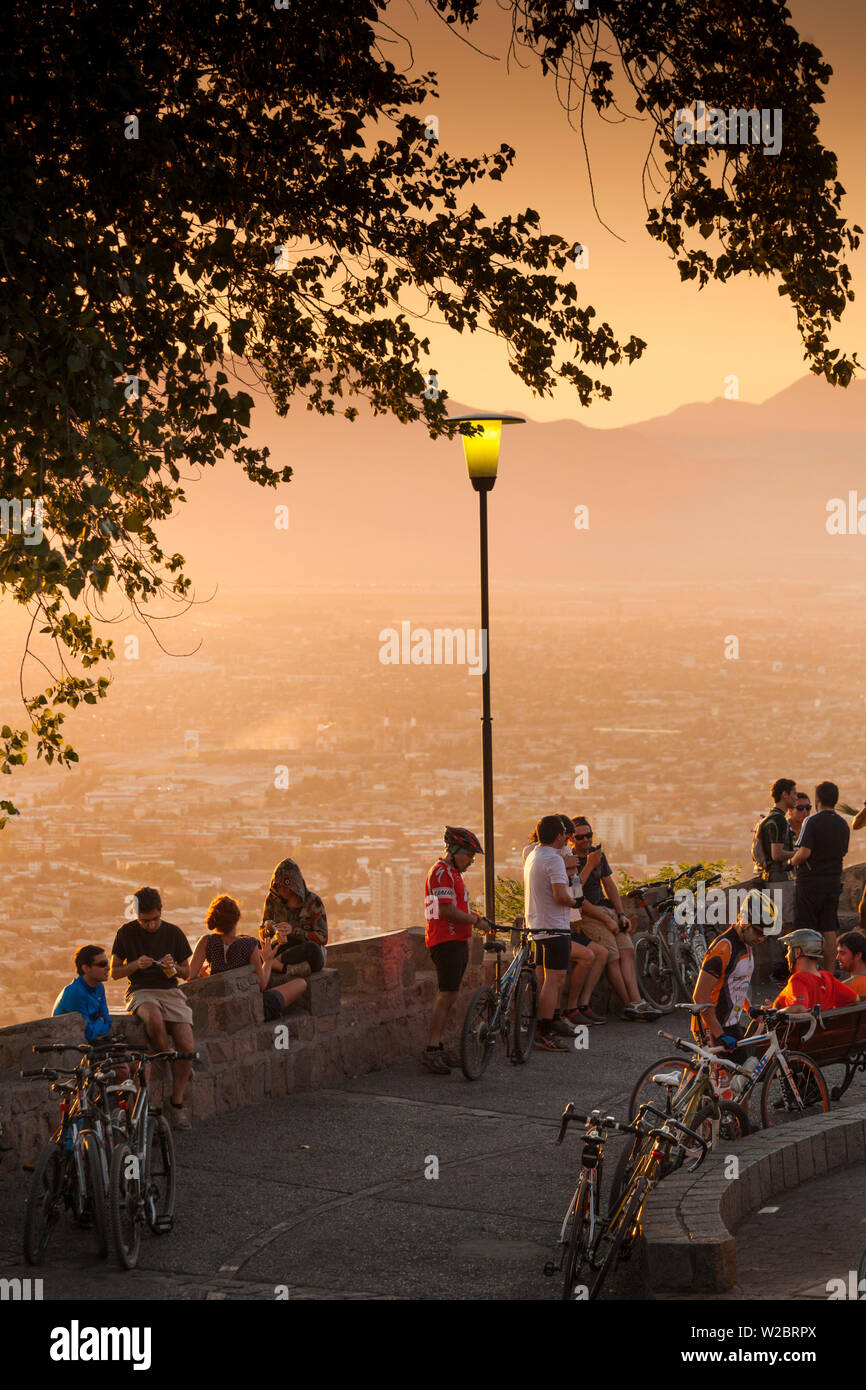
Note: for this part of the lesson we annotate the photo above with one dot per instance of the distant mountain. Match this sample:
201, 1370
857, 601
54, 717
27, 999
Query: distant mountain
723, 488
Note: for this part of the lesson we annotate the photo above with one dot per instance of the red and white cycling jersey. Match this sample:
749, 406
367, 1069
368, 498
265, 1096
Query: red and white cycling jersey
444, 885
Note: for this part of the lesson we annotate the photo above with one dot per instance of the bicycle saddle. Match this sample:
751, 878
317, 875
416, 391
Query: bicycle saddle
494, 945
693, 1008
667, 1078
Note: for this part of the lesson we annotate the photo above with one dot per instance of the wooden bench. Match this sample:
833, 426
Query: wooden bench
841, 1042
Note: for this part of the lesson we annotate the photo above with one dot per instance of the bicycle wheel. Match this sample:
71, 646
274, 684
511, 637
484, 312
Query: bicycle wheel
779, 1104
690, 969
619, 1233
861, 1276
476, 1039
44, 1203
656, 980
160, 1178
524, 1016
95, 1190
580, 1236
124, 1185
648, 1091
733, 1122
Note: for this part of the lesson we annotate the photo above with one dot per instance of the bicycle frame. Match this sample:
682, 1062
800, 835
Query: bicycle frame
506, 983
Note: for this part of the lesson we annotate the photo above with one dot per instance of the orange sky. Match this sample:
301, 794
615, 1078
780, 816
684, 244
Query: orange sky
695, 339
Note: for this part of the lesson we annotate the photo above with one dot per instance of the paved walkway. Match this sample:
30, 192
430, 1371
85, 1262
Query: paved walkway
324, 1194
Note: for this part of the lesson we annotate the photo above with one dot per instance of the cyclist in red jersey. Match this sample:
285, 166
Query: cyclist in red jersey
448, 927
809, 985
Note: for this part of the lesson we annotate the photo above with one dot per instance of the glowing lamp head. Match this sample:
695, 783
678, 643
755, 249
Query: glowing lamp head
482, 446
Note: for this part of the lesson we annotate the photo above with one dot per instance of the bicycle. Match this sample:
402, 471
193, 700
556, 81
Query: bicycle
667, 958
70, 1172
581, 1224
141, 1186
791, 1083
508, 1010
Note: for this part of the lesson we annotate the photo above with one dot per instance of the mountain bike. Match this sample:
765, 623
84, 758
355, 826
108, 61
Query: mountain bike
668, 956
70, 1173
141, 1187
508, 1010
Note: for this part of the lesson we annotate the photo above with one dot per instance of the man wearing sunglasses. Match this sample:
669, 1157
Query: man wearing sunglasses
798, 812
86, 994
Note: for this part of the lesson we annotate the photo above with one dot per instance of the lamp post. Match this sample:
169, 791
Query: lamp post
482, 460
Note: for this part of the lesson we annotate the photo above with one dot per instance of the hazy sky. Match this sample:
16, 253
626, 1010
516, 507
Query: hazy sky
695, 339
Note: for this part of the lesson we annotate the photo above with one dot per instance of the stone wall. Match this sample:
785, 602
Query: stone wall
371, 1006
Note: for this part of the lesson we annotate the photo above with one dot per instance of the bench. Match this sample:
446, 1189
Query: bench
841, 1042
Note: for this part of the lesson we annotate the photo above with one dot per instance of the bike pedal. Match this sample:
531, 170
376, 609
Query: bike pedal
28, 1167
164, 1224
549, 1269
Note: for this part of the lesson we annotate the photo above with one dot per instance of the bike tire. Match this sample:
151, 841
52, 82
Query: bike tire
161, 1171
690, 969
655, 978
524, 1017
579, 1249
777, 1102
733, 1121
861, 1276
96, 1195
476, 1042
645, 1088
44, 1203
123, 1193
616, 1234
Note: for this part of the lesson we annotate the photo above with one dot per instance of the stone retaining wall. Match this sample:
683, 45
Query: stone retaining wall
688, 1245
370, 1006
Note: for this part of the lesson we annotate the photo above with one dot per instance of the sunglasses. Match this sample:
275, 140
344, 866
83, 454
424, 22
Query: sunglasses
807, 807
587, 836
100, 964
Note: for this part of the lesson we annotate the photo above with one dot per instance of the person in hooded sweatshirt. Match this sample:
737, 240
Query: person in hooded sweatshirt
297, 918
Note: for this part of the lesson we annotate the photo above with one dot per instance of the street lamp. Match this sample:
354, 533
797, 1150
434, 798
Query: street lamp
482, 459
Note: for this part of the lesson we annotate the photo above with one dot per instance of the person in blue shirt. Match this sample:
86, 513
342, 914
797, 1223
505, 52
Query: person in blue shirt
86, 994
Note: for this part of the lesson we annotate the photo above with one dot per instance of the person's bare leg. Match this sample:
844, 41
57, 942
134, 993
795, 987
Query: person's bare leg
291, 992
181, 1071
157, 1037
582, 960
444, 1003
548, 998
830, 939
614, 974
629, 975
596, 969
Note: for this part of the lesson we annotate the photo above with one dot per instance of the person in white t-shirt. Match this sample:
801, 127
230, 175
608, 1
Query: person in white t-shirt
549, 904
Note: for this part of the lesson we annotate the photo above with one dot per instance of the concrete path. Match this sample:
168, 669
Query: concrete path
324, 1195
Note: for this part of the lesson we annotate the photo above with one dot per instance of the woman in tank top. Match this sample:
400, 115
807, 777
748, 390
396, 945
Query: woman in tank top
226, 950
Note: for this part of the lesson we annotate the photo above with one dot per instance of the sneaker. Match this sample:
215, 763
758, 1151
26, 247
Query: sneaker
584, 1014
301, 971
562, 1027
646, 1011
547, 1042
179, 1116
433, 1058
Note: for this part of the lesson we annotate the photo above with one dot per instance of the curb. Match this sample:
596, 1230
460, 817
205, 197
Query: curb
688, 1220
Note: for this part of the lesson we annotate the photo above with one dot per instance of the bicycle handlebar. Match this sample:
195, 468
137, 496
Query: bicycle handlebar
708, 1054
60, 1047
596, 1118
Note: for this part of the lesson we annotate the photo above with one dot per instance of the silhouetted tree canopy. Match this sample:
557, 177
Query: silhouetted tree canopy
193, 193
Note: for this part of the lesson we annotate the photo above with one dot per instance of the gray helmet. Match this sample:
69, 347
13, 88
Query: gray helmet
811, 943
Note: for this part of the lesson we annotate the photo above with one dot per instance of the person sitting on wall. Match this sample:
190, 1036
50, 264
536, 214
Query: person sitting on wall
226, 950
297, 919
153, 956
809, 984
851, 955
86, 994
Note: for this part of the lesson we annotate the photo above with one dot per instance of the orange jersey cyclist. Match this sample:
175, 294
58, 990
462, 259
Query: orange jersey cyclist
726, 972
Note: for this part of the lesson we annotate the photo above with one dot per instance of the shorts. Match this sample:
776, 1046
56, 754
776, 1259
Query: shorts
273, 1003
170, 1002
817, 908
554, 952
782, 894
450, 959
605, 937
579, 937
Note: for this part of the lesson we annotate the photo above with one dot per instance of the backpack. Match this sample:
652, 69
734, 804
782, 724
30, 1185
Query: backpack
759, 854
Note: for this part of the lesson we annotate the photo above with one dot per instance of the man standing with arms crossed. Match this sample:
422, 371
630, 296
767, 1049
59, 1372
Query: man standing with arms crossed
822, 846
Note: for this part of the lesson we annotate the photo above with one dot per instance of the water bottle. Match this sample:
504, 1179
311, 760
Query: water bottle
741, 1082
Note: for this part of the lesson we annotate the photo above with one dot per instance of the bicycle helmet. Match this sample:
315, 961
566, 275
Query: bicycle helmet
461, 841
759, 910
811, 943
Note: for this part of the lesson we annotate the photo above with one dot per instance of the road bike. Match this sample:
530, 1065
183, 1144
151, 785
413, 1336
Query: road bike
791, 1083
668, 955
590, 1246
507, 1010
